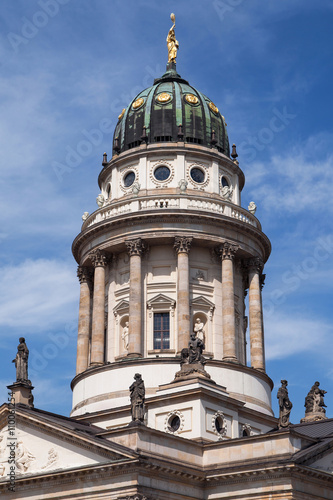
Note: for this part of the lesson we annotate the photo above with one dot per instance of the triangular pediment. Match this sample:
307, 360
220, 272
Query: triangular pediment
161, 299
121, 307
41, 442
202, 302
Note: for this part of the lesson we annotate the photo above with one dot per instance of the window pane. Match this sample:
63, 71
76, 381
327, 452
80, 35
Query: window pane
161, 331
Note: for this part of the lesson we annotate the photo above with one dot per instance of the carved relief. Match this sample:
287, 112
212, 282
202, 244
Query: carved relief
3, 458
52, 459
199, 275
226, 192
23, 458
100, 200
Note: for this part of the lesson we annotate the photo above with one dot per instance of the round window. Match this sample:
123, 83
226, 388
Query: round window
224, 182
174, 423
129, 179
162, 173
198, 175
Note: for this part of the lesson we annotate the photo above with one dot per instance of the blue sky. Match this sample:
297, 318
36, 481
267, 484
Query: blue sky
68, 65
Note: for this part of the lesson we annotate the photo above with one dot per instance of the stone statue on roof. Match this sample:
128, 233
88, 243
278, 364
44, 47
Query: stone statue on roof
21, 362
285, 405
314, 401
137, 395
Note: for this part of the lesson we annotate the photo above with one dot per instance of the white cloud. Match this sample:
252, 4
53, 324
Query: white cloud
289, 335
295, 182
38, 295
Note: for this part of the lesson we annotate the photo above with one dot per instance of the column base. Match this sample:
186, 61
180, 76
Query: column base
96, 363
133, 355
262, 370
231, 359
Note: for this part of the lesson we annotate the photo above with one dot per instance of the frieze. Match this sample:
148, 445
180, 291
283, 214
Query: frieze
127, 220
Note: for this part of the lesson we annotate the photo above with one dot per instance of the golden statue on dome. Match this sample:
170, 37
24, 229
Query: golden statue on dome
172, 43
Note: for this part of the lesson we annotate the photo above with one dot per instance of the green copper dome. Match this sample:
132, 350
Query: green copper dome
171, 111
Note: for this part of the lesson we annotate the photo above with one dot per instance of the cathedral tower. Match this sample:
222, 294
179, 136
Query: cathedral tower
170, 252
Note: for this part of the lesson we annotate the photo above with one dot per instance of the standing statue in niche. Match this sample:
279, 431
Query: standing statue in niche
314, 401
285, 405
199, 329
21, 362
172, 43
124, 336
137, 391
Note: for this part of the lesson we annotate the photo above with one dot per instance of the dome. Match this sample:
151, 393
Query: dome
171, 110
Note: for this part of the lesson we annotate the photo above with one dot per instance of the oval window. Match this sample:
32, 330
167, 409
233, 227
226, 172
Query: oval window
162, 173
174, 423
219, 425
129, 179
224, 182
198, 175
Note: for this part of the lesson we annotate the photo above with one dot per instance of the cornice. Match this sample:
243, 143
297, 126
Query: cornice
167, 360
171, 216
155, 467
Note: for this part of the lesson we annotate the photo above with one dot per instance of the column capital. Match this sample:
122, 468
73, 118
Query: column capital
99, 258
262, 278
182, 244
254, 264
84, 273
227, 251
136, 247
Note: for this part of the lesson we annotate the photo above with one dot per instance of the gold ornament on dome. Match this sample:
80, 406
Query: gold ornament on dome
163, 97
138, 103
213, 107
172, 43
121, 114
192, 99
225, 123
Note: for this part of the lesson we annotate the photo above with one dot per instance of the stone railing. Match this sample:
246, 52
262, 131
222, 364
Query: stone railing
171, 202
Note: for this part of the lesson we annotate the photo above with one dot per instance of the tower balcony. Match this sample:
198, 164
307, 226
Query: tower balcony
171, 202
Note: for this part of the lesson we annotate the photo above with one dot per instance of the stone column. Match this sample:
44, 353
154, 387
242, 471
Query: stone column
227, 253
255, 267
99, 260
182, 246
84, 274
135, 249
